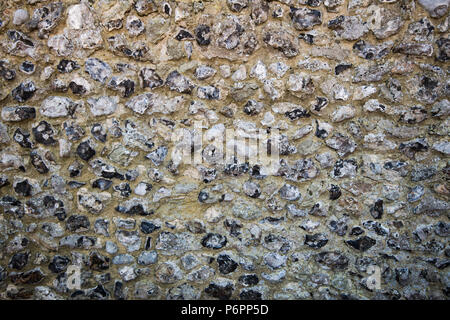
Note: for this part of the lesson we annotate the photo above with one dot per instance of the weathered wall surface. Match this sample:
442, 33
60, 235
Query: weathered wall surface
91, 92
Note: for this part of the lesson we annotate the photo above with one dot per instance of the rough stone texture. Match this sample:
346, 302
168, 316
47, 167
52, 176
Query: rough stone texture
92, 92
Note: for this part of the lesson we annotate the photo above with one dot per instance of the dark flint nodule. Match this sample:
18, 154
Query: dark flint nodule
85, 151
377, 209
203, 35
214, 241
24, 91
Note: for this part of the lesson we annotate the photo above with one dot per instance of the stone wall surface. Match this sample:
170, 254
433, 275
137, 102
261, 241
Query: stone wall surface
96, 203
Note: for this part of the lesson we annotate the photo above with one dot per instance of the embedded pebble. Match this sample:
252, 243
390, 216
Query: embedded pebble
20, 16
104, 105
97, 69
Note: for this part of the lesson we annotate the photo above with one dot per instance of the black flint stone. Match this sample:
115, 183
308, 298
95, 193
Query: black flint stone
59, 264
112, 175
22, 137
203, 196
19, 260
124, 189
297, 113
118, 290
27, 67
332, 259
102, 184
394, 165
340, 227
249, 279
137, 209
226, 264
24, 91
341, 68
321, 102
335, 23
85, 151
25, 113
66, 66
214, 241
375, 226
377, 209
76, 89
362, 244
250, 294
233, 226
9, 200
183, 34
322, 134
97, 262
60, 214
202, 35
148, 227
73, 131
76, 222
75, 184
335, 192
28, 277
23, 188
43, 133
15, 35
148, 243
236, 169
316, 240
38, 163
128, 86
308, 38
4, 182
356, 231
98, 132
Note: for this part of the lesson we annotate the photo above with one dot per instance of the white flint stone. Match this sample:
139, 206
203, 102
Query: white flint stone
79, 16
259, 71
20, 16
442, 146
56, 106
362, 92
240, 74
343, 113
268, 119
104, 105
279, 68
64, 148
